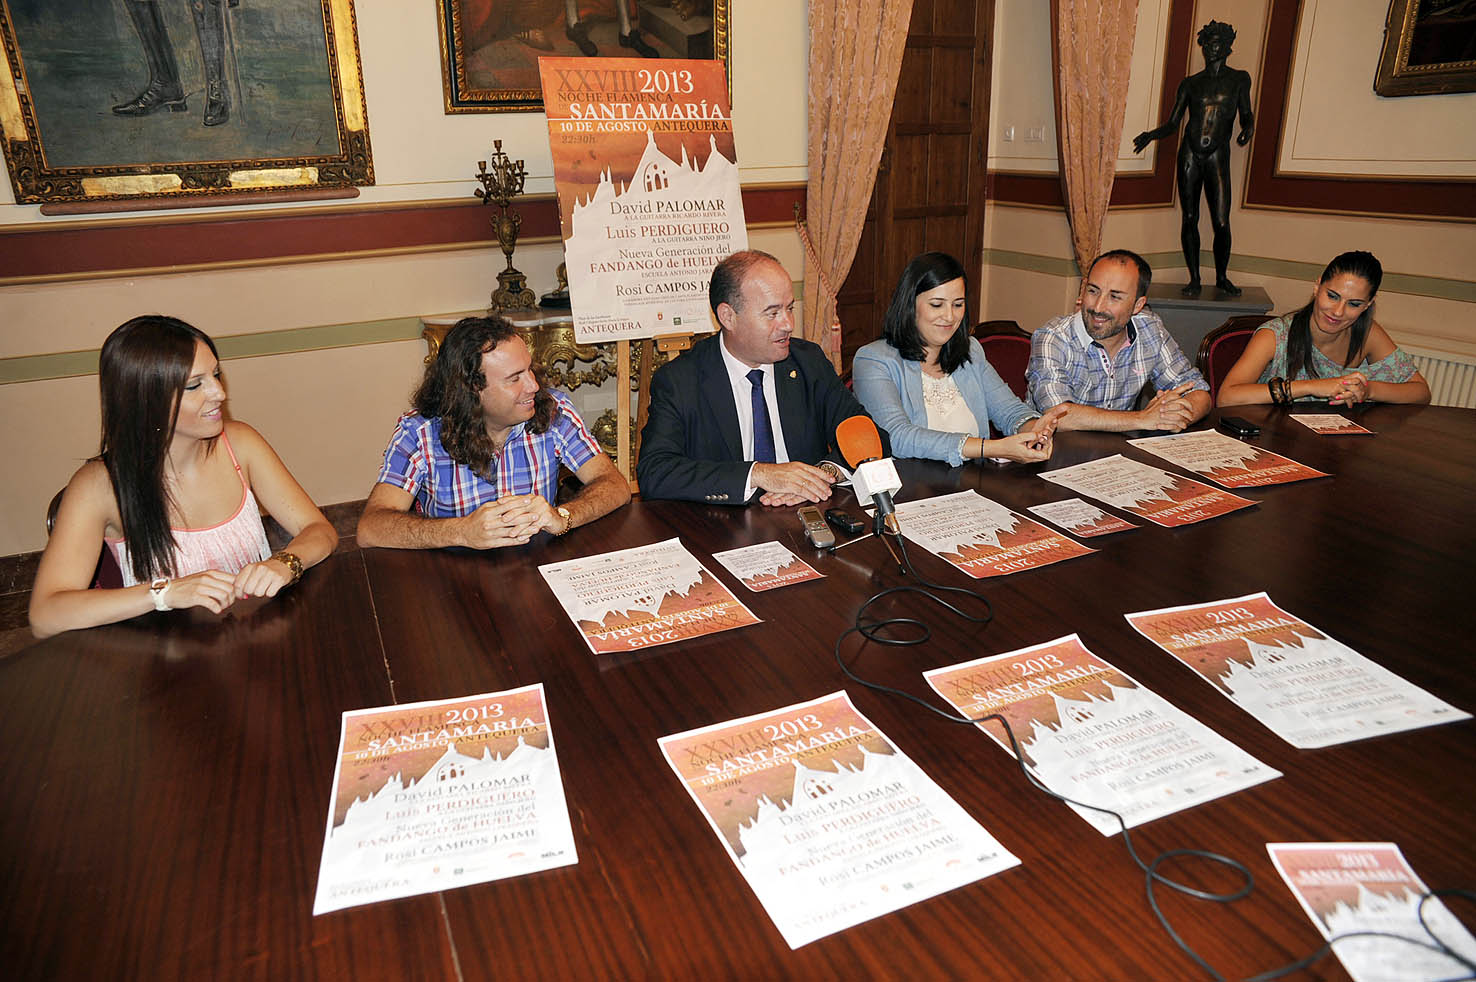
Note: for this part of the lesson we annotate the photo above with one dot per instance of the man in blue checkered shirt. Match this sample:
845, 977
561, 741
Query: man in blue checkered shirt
1097, 360
476, 462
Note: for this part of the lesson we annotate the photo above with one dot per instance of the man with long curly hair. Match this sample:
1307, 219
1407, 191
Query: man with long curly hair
476, 461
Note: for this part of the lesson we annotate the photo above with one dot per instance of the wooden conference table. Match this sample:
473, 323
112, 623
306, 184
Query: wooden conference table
166, 781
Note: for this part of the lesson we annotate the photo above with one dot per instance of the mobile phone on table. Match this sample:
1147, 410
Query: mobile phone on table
1239, 427
841, 520
815, 528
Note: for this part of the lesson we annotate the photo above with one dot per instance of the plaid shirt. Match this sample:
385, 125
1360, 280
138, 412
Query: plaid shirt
1066, 365
417, 463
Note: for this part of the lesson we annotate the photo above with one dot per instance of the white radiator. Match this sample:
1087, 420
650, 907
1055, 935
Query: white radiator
1452, 378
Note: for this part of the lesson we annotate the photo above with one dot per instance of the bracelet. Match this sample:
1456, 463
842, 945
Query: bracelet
1280, 391
292, 563
156, 592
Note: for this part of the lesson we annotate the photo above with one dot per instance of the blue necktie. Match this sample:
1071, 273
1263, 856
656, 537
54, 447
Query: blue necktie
763, 430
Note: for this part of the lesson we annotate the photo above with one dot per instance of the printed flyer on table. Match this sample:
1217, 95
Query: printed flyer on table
1307, 688
830, 824
435, 795
981, 537
1347, 887
1330, 424
1080, 518
1228, 462
1093, 734
766, 566
1148, 492
649, 595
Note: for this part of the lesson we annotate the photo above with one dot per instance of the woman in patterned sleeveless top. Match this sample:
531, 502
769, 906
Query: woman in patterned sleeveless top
1332, 349
180, 517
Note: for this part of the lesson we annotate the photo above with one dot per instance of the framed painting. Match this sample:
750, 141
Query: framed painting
490, 48
112, 100
1429, 47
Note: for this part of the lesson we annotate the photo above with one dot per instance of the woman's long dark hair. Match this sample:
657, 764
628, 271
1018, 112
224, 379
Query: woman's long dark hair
452, 389
142, 372
1299, 337
924, 273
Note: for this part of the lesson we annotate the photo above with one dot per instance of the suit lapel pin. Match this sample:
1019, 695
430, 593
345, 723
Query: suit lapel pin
793, 373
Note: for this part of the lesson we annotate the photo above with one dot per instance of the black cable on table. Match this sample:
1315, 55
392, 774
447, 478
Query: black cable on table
871, 631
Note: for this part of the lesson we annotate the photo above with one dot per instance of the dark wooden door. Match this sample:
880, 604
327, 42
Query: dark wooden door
930, 185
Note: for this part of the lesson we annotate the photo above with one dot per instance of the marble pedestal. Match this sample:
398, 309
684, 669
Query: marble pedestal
1189, 319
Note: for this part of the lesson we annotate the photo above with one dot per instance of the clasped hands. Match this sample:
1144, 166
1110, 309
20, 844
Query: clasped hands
1032, 443
1169, 409
1351, 388
509, 521
216, 590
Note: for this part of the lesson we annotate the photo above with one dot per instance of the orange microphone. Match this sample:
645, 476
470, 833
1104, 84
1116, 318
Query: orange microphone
874, 475
859, 440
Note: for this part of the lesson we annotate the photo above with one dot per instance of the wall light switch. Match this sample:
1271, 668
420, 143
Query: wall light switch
1035, 134
1009, 134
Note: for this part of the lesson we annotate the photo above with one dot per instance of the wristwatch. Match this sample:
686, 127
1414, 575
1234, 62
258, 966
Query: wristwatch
157, 587
292, 563
568, 520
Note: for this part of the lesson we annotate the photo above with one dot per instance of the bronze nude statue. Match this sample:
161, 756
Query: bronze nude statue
1213, 98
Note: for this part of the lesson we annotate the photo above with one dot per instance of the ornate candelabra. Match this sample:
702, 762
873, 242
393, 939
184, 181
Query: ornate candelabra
499, 186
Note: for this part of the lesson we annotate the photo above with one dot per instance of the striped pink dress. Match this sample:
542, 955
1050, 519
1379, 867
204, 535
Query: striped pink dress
236, 542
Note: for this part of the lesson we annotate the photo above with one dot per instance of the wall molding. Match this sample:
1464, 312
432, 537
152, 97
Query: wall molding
1408, 284
1431, 199
63, 252
289, 341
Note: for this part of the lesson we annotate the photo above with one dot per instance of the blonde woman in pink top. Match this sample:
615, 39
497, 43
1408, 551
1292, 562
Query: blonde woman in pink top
180, 517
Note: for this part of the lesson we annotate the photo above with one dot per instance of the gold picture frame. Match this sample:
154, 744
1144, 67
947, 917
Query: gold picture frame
1429, 48
174, 104
490, 48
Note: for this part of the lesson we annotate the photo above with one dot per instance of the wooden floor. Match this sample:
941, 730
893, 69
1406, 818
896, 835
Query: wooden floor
167, 779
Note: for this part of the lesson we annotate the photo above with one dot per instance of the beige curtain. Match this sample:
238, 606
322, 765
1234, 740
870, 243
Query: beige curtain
1092, 45
855, 54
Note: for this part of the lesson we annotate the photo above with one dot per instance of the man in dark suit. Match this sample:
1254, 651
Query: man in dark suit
710, 435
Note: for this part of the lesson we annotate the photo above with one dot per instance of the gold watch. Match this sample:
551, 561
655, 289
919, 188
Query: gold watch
568, 520
292, 563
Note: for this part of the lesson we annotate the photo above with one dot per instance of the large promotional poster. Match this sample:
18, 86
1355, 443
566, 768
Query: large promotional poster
1229, 462
830, 824
643, 597
1309, 689
982, 537
1348, 888
648, 188
1148, 492
1091, 733
434, 795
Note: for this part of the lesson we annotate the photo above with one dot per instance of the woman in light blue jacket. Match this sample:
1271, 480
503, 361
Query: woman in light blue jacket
926, 381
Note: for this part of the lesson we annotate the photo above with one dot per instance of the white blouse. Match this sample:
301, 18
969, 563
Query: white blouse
947, 410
